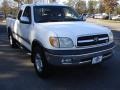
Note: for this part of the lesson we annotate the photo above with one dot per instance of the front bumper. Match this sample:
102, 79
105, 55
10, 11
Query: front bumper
76, 57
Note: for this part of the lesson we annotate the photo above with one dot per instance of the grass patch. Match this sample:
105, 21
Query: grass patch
109, 21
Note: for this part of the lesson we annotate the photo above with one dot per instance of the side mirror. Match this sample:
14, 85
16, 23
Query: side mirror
24, 20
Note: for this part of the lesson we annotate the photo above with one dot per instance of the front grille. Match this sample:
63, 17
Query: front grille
92, 40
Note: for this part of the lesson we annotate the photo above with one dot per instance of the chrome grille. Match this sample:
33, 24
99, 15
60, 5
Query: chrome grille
92, 40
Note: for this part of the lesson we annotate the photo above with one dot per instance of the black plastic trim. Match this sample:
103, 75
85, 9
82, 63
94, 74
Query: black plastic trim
80, 51
26, 40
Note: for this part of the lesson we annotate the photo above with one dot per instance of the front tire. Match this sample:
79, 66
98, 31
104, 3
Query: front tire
40, 63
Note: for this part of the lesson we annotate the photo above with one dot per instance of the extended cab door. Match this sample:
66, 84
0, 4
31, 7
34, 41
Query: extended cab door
16, 30
26, 27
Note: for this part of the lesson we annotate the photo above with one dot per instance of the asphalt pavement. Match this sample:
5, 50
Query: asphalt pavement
17, 72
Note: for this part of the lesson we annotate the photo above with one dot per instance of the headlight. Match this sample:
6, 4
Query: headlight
61, 42
110, 34
65, 42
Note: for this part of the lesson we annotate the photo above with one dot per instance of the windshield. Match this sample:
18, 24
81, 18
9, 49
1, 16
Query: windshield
54, 14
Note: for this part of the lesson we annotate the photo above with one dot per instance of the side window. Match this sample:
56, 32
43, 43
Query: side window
19, 14
27, 13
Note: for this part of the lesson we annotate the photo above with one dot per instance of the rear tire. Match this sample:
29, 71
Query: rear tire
40, 63
12, 41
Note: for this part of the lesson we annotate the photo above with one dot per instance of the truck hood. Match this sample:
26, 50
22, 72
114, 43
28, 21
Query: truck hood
68, 29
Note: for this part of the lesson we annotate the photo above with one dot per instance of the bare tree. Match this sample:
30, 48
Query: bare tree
5, 8
81, 6
110, 6
101, 7
28, 1
92, 6
72, 3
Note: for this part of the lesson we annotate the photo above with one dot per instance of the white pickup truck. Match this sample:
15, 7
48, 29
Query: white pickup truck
55, 35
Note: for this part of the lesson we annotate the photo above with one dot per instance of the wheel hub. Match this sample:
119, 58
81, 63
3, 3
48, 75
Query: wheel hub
38, 62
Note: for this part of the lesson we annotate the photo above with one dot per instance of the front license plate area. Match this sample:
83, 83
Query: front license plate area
97, 59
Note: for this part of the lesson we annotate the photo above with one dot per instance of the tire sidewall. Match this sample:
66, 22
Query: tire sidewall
12, 41
38, 50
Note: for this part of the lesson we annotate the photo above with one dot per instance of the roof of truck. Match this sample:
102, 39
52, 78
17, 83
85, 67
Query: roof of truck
41, 4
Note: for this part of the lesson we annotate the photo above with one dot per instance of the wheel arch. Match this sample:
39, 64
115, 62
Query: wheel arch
35, 43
